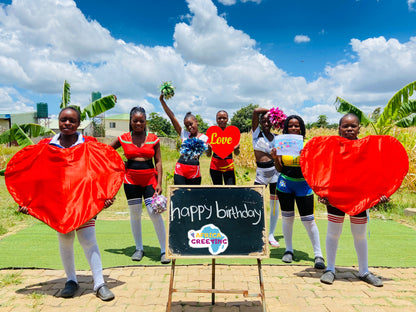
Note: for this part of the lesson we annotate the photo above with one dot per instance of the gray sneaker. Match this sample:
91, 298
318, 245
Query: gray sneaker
371, 279
328, 277
138, 255
287, 257
163, 259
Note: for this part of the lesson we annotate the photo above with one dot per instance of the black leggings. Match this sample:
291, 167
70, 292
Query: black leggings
137, 191
287, 203
181, 180
217, 177
272, 187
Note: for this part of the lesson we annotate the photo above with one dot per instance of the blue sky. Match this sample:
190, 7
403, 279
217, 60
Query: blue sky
219, 54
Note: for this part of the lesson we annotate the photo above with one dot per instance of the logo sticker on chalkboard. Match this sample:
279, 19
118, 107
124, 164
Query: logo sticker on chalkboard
209, 236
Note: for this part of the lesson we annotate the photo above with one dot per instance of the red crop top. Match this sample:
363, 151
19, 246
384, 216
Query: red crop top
131, 150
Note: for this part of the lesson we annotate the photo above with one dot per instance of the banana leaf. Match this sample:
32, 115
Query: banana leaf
345, 107
407, 121
392, 109
66, 95
99, 106
23, 133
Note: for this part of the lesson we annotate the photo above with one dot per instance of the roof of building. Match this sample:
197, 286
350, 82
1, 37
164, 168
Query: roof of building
118, 117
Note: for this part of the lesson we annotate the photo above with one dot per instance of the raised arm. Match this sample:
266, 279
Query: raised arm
255, 119
171, 115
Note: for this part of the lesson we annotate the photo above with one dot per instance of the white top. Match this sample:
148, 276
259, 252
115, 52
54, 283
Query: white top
186, 135
261, 142
55, 140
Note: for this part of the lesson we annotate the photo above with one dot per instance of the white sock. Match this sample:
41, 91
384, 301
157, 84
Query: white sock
359, 230
86, 237
288, 217
158, 224
274, 216
135, 207
332, 238
313, 232
66, 250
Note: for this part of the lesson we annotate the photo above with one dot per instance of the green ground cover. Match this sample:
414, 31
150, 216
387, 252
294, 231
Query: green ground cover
390, 245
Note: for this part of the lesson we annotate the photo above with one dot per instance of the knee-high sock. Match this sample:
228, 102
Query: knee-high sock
158, 224
86, 237
288, 217
66, 250
313, 232
333, 234
274, 215
135, 207
359, 230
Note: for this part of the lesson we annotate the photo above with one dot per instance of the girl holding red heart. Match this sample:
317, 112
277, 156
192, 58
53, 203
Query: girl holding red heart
142, 178
349, 128
222, 169
187, 170
266, 174
291, 187
69, 121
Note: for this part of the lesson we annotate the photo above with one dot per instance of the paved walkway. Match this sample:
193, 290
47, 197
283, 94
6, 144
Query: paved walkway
145, 288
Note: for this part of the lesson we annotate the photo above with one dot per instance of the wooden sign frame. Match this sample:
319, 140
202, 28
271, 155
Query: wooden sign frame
229, 215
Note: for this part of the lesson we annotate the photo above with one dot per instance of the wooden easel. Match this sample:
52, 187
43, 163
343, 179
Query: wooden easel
212, 291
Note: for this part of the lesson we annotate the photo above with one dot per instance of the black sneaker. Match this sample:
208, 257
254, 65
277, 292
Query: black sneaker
70, 289
319, 263
104, 293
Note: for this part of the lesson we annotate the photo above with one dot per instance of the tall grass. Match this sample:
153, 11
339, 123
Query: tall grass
245, 174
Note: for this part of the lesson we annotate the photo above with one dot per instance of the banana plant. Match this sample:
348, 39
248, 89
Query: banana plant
400, 111
93, 109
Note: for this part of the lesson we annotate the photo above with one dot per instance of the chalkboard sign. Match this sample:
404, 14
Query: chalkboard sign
216, 221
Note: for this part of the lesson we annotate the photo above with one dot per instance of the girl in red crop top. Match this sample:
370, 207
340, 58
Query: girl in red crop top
142, 178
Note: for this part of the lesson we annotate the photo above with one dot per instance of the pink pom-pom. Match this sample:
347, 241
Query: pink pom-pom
277, 117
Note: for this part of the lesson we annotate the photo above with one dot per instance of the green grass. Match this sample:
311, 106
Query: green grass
390, 245
390, 242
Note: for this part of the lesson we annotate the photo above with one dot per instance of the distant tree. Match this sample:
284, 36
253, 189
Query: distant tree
202, 125
375, 114
159, 125
242, 118
322, 121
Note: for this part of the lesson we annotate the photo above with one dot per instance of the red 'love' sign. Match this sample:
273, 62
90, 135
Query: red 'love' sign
354, 174
223, 141
64, 187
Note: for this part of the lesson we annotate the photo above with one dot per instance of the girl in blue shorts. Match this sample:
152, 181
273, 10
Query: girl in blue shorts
291, 187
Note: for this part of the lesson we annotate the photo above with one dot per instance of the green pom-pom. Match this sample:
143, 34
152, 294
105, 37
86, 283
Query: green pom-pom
167, 90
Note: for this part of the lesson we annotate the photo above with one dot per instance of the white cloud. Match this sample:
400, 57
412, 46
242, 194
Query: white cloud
212, 65
301, 39
410, 4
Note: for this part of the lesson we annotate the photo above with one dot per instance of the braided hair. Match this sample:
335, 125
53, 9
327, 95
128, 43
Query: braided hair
301, 124
136, 110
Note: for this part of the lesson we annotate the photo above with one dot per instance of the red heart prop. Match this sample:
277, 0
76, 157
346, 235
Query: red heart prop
354, 174
64, 187
223, 141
